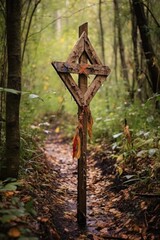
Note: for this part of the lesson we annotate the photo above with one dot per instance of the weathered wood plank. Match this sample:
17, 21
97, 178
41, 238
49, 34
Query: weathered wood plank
93, 58
77, 50
87, 69
82, 161
72, 87
93, 88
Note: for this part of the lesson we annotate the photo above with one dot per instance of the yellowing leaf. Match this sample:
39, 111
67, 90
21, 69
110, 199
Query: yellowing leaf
120, 158
119, 170
46, 86
57, 130
76, 146
14, 232
60, 99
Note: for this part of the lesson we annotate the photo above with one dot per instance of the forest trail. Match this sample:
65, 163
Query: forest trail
113, 211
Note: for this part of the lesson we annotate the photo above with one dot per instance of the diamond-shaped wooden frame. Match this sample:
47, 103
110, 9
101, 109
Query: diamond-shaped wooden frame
64, 70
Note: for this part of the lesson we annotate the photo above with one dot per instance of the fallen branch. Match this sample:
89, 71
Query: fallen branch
148, 195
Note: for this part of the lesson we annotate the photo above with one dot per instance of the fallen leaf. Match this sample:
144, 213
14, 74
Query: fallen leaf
96, 238
104, 231
54, 234
101, 225
26, 199
57, 130
14, 232
143, 205
43, 219
119, 170
9, 193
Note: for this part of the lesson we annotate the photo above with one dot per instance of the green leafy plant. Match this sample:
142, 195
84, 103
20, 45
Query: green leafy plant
14, 211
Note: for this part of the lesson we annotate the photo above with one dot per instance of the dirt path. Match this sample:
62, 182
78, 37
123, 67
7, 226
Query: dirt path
125, 207
113, 212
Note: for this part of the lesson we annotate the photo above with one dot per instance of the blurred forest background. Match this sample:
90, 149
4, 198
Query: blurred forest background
49, 30
35, 105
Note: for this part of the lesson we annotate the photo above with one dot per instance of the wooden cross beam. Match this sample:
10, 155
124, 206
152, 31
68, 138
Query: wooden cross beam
64, 70
77, 63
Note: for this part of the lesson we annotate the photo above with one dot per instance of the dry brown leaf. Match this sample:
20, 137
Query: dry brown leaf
43, 219
26, 199
136, 228
101, 224
104, 231
9, 193
14, 232
143, 205
96, 237
54, 234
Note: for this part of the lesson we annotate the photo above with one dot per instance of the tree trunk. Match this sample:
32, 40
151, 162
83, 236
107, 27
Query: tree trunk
29, 26
3, 69
101, 31
13, 23
115, 49
151, 60
136, 69
121, 47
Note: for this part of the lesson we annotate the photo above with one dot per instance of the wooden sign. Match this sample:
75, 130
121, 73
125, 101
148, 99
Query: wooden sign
83, 61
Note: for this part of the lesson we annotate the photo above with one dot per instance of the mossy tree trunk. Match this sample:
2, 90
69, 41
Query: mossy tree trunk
12, 153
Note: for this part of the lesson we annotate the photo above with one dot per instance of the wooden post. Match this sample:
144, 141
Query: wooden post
82, 94
82, 161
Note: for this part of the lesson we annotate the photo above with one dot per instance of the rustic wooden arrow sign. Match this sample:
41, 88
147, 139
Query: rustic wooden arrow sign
77, 63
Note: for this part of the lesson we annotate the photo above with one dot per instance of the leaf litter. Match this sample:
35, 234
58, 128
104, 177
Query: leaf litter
115, 209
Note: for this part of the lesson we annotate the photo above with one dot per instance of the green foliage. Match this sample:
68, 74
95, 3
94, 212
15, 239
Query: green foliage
144, 127
53, 33
14, 211
145, 138
9, 184
9, 90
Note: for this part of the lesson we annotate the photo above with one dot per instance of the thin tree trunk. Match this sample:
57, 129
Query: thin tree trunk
135, 53
121, 47
26, 15
115, 49
2, 66
151, 60
101, 31
13, 23
3, 69
28, 28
